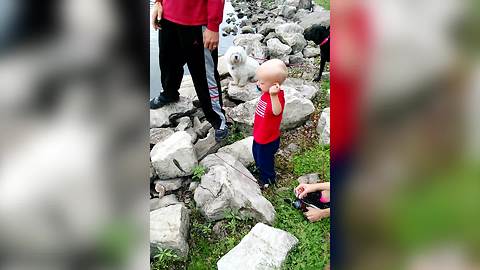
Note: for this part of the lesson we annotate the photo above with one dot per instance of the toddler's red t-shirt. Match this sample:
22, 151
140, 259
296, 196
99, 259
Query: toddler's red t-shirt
266, 126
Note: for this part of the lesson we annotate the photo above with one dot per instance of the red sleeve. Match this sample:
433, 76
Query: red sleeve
215, 14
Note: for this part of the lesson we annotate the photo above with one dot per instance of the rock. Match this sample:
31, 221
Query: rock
297, 111
247, 30
162, 117
305, 89
287, 11
246, 39
170, 184
159, 134
174, 157
193, 186
309, 52
206, 145
296, 58
296, 41
264, 247
321, 17
241, 150
227, 186
293, 148
183, 124
267, 28
152, 174
305, 4
201, 128
277, 49
157, 203
219, 229
169, 229
323, 128
309, 179
245, 93
160, 191
192, 134
289, 28
222, 67
187, 88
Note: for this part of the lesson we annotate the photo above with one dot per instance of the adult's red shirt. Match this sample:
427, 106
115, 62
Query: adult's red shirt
194, 12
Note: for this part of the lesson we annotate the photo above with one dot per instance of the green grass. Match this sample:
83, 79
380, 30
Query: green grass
316, 159
324, 3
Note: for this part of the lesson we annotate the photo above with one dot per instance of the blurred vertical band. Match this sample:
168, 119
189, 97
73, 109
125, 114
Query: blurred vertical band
405, 134
73, 141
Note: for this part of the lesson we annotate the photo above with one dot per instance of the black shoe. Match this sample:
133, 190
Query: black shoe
160, 101
221, 134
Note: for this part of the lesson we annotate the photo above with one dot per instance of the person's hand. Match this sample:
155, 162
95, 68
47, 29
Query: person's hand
157, 12
303, 189
210, 39
274, 89
314, 214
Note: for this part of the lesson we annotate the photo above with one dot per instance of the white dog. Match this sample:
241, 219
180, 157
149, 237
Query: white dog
241, 67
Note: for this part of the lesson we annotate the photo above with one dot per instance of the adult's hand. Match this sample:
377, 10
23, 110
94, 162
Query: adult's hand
157, 12
210, 39
314, 214
303, 189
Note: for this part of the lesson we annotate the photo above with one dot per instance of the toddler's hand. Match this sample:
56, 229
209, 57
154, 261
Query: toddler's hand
274, 89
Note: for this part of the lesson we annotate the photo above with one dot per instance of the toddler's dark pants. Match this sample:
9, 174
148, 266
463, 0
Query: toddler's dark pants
264, 155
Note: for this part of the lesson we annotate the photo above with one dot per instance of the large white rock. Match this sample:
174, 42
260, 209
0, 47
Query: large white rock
170, 184
169, 229
309, 52
277, 49
174, 157
296, 41
187, 89
323, 127
206, 145
245, 93
159, 134
222, 66
287, 11
241, 150
227, 186
289, 28
263, 248
297, 111
157, 203
304, 88
320, 16
161, 117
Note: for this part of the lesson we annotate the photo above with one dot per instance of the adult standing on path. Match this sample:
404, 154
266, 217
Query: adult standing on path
188, 33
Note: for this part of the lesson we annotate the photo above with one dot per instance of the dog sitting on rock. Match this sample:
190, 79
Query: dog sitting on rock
320, 35
241, 67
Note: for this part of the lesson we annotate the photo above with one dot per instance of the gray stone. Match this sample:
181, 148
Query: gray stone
222, 67
321, 17
309, 52
287, 11
312, 178
245, 93
159, 134
296, 41
296, 58
241, 150
323, 128
247, 30
162, 117
206, 145
252, 44
169, 229
305, 89
193, 186
227, 186
170, 184
201, 128
183, 124
290, 28
267, 28
157, 203
174, 157
277, 49
264, 247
